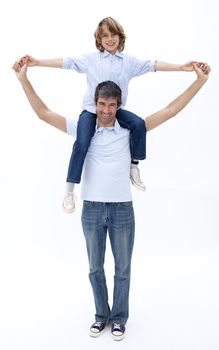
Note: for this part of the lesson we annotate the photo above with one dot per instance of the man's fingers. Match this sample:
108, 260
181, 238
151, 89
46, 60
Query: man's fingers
17, 66
204, 67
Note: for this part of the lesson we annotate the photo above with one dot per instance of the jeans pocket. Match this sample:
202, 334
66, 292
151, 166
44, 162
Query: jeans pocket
126, 204
87, 204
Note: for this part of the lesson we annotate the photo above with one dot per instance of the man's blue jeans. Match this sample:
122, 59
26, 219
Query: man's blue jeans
118, 220
85, 132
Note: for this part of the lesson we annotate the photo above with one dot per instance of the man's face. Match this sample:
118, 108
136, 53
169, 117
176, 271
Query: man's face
106, 109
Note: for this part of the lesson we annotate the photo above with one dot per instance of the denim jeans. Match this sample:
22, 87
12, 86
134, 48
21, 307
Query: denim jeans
85, 131
118, 220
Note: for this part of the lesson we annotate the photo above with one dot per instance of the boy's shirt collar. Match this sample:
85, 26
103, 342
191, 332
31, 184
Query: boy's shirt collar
106, 53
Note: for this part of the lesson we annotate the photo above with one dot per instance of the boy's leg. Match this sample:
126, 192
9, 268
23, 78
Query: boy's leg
85, 131
68, 203
137, 128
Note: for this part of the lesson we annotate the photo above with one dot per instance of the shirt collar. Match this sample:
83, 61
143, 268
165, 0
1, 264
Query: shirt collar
107, 53
116, 127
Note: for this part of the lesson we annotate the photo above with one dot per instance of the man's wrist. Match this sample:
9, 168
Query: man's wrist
23, 80
202, 79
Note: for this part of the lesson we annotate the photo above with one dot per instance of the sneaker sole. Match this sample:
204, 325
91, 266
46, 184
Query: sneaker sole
95, 334
118, 337
68, 211
138, 187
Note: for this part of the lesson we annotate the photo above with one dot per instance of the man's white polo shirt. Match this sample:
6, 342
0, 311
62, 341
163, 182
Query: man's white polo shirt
106, 172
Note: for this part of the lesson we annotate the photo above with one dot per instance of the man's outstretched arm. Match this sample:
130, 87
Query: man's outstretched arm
180, 102
39, 107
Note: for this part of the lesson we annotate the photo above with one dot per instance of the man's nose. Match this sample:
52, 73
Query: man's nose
106, 110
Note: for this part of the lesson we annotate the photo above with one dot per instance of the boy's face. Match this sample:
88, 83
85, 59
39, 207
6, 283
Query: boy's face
106, 109
109, 41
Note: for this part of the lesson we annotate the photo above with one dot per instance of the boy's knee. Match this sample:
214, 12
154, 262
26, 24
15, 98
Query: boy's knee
139, 124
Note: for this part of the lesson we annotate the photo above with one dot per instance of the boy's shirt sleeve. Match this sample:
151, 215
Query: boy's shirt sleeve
140, 66
79, 64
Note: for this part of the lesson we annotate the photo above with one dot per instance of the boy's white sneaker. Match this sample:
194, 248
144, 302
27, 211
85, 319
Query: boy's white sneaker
136, 180
68, 203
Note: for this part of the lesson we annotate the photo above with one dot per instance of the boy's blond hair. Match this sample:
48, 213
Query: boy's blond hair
114, 27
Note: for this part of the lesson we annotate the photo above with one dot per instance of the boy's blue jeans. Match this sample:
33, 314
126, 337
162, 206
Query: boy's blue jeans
86, 129
118, 220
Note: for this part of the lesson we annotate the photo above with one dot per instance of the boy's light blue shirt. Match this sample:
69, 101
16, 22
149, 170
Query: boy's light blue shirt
101, 66
106, 171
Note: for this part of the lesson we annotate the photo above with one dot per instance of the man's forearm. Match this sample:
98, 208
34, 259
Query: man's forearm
174, 107
36, 103
181, 101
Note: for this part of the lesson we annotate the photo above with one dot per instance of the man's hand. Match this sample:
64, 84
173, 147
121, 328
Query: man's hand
204, 67
20, 70
202, 70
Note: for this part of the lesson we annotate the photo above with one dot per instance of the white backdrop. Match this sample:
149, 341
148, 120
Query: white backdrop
45, 297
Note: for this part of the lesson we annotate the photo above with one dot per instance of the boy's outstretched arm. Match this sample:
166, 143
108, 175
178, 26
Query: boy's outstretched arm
39, 107
33, 62
185, 67
180, 102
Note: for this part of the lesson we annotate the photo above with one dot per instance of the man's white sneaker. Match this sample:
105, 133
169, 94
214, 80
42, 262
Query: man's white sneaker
136, 180
68, 203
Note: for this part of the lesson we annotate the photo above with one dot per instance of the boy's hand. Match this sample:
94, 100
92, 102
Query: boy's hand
29, 60
189, 66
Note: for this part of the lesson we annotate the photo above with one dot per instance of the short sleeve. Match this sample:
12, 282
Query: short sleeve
140, 66
71, 126
74, 63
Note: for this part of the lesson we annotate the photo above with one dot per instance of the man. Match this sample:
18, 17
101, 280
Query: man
107, 205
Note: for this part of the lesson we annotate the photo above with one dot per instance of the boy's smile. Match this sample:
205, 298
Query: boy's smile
109, 40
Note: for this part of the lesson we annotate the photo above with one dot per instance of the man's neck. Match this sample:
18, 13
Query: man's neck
103, 125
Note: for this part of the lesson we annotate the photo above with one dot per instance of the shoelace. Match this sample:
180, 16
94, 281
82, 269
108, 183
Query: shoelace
117, 325
69, 196
97, 324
